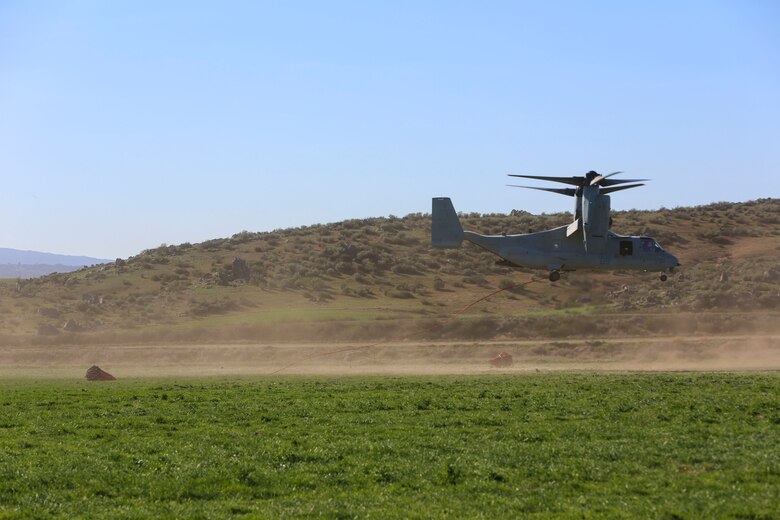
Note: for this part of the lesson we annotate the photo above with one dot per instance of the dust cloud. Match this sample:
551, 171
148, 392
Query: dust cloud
677, 353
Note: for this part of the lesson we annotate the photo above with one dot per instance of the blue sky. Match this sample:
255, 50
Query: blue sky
127, 124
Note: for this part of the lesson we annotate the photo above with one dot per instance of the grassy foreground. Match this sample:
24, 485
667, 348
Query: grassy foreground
624, 445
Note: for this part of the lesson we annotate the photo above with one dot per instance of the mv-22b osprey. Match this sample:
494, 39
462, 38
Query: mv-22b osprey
586, 243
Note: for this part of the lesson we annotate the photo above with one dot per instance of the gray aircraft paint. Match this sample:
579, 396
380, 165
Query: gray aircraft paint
586, 243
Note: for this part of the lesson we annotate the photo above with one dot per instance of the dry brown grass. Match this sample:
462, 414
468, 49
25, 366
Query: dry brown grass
378, 278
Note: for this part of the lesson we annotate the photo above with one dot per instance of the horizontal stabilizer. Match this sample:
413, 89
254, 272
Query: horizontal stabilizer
446, 231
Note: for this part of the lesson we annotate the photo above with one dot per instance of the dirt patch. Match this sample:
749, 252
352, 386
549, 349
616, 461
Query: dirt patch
747, 247
743, 353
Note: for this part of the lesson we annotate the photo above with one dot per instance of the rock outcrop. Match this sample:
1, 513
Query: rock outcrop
95, 373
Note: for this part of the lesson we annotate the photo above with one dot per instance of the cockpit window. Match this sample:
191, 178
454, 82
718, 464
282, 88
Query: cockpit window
649, 245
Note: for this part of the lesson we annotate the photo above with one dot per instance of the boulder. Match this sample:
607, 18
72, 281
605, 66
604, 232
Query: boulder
95, 373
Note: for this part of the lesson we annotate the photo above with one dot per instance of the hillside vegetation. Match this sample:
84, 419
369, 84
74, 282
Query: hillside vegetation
379, 278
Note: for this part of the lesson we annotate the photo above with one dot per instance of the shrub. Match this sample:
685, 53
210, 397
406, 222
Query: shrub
402, 295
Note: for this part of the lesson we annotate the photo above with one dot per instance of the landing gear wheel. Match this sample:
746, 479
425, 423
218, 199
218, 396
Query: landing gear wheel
663, 277
555, 276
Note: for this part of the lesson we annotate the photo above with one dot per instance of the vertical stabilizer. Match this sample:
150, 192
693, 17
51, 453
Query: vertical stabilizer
446, 231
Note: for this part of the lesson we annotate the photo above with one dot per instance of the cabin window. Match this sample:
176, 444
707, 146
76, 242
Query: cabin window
648, 245
626, 248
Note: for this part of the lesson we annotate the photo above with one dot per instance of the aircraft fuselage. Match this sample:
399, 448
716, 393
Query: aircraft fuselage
586, 243
553, 250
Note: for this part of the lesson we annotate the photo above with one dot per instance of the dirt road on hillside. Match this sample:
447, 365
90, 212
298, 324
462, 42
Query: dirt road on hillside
691, 353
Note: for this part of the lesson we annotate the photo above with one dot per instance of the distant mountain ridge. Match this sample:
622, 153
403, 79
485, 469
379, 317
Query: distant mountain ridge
15, 263
34, 270
16, 256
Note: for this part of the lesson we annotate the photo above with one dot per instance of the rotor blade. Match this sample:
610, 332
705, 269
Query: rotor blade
563, 191
618, 188
574, 181
597, 180
613, 182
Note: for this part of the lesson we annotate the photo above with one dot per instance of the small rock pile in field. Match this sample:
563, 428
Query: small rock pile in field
503, 359
94, 373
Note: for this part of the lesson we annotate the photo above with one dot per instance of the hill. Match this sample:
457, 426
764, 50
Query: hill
379, 278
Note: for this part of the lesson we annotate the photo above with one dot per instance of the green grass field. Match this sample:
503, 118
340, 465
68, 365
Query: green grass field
549, 445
